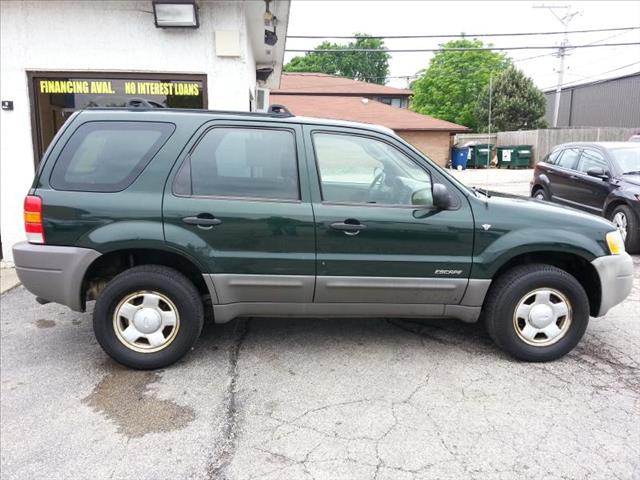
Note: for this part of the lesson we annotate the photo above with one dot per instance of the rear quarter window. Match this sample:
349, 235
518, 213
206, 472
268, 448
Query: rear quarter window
552, 158
108, 156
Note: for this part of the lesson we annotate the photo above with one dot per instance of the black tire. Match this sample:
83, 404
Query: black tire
155, 278
507, 292
540, 193
632, 242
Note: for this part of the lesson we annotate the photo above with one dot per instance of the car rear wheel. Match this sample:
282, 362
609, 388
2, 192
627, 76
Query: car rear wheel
148, 317
627, 224
536, 313
540, 194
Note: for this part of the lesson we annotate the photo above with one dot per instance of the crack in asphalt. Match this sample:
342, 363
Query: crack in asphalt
217, 469
598, 357
305, 462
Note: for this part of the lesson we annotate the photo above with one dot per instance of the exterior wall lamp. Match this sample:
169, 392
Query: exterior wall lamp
175, 13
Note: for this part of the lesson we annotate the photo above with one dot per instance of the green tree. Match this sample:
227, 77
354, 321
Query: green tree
316, 62
516, 103
449, 88
372, 67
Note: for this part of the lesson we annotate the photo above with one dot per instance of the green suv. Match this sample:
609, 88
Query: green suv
162, 216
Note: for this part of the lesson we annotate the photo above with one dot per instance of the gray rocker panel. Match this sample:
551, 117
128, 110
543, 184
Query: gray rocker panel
233, 288
293, 295
225, 313
390, 290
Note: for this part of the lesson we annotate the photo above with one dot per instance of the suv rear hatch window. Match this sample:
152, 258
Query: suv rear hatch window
108, 156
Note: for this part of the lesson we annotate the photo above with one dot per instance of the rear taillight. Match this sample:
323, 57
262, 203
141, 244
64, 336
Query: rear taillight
33, 219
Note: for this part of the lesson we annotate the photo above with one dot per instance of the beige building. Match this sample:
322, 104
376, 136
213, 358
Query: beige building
328, 96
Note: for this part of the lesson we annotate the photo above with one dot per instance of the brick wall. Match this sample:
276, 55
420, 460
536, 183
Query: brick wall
436, 145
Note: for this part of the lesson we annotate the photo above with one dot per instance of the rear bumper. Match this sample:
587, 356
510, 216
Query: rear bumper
616, 279
53, 273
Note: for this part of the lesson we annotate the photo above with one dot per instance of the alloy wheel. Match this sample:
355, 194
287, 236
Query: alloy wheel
620, 221
542, 317
146, 321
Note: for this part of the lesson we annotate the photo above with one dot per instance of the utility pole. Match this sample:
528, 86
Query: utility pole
489, 126
564, 20
489, 129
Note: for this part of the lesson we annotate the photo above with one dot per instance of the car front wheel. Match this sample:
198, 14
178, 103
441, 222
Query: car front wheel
536, 313
148, 317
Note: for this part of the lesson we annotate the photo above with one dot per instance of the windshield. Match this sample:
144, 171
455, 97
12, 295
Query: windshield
628, 158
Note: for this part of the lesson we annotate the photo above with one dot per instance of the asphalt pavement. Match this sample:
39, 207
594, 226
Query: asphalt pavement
317, 399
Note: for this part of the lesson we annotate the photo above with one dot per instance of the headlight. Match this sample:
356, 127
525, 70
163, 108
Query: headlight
615, 242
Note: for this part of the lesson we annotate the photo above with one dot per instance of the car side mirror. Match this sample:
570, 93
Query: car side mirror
597, 172
441, 197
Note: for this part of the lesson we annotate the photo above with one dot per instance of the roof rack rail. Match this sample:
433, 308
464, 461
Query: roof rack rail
274, 111
280, 110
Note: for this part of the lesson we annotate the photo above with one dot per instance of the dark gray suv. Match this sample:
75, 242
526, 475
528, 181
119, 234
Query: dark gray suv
602, 178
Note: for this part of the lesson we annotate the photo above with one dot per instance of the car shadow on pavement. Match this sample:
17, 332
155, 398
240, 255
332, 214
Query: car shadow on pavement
283, 333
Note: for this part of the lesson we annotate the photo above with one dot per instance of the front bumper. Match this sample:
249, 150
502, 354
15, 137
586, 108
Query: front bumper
53, 273
616, 279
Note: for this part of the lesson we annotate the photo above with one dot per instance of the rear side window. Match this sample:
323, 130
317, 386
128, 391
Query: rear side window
569, 158
108, 156
242, 162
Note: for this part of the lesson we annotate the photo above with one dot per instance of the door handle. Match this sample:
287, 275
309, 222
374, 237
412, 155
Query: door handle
349, 227
202, 221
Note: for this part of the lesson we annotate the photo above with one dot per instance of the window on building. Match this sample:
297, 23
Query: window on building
56, 96
242, 162
107, 156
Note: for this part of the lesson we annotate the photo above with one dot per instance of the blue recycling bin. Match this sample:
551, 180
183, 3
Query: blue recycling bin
459, 157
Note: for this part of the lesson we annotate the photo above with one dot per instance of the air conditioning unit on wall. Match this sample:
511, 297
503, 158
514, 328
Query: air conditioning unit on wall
262, 99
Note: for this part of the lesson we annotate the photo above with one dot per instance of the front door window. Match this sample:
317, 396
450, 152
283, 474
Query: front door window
362, 170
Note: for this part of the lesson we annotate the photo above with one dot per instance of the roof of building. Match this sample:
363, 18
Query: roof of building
324, 84
595, 82
358, 109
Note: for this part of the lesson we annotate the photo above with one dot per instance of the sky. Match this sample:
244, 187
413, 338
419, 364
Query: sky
477, 17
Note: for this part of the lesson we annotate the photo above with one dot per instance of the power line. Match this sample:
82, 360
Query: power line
349, 81
553, 54
453, 49
462, 35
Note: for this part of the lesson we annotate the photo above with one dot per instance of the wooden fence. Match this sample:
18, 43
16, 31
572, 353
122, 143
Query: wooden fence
544, 140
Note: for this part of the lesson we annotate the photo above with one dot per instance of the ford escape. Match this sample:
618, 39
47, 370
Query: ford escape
164, 215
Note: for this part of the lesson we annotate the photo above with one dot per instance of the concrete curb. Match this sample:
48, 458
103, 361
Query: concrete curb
8, 279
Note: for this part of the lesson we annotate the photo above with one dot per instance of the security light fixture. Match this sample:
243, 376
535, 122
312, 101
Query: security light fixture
270, 20
175, 13
270, 38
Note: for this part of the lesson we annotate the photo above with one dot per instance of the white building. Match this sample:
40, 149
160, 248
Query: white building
62, 56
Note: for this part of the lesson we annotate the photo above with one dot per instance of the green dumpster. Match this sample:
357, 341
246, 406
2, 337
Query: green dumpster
480, 155
514, 156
